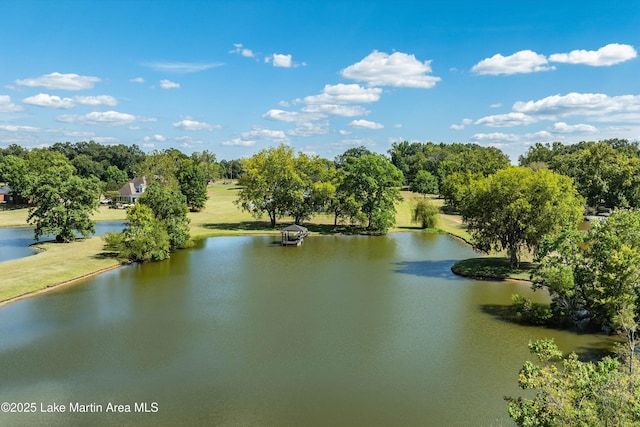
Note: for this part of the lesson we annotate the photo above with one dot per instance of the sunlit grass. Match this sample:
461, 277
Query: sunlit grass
492, 268
57, 263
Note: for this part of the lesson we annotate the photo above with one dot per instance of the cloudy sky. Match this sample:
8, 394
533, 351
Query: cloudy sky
233, 77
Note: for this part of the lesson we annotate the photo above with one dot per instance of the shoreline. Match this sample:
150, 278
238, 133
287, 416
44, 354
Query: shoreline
75, 280
59, 285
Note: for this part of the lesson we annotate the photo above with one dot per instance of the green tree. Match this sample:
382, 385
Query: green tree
341, 203
13, 170
360, 151
143, 239
193, 184
606, 173
163, 166
314, 188
425, 213
169, 207
424, 184
453, 187
595, 276
516, 207
87, 167
569, 392
374, 184
269, 183
208, 164
61, 202
114, 178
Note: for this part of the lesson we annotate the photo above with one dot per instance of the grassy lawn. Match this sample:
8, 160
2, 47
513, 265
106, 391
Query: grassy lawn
493, 268
59, 263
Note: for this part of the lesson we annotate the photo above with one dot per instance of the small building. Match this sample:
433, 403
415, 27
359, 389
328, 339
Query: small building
132, 190
5, 194
293, 235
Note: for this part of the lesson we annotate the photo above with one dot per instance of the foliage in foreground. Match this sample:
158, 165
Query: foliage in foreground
594, 276
569, 392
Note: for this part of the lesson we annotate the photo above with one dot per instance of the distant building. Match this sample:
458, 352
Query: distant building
5, 194
132, 190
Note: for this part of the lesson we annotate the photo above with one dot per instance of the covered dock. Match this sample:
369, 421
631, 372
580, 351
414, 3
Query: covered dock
293, 235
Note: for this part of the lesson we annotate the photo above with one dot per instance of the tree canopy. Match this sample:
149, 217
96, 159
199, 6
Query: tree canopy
606, 173
374, 183
594, 276
516, 207
61, 202
569, 392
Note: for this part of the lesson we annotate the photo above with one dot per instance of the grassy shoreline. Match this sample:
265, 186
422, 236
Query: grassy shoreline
62, 264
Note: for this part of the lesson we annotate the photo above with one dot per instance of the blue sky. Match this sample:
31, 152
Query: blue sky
233, 77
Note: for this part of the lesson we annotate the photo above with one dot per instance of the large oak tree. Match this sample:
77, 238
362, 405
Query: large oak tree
516, 207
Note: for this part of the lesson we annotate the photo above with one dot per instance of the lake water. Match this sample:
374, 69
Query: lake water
15, 242
239, 331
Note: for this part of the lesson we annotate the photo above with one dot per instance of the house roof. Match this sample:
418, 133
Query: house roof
129, 189
295, 227
5, 189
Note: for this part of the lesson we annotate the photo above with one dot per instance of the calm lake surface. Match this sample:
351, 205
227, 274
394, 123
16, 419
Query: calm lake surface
239, 331
15, 242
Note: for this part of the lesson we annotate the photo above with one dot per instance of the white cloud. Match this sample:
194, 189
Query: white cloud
241, 50
182, 67
562, 127
190, 124
137, 80
601, 106
323, 110
398, 69
285, 116
365, 124
102, 118
497, 105
49, 101
239, 142
461, 126
54, 101
6, 106
263, 133
61, 81
310, 128
344, 132
280, 60
507, 120
499, 139
14, 128
157, 138
188, 141
610, 54
168, 84
354, 143
345, 94
96, 100
525, 61
248, 139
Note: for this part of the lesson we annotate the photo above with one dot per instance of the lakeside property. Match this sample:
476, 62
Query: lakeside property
64, 263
